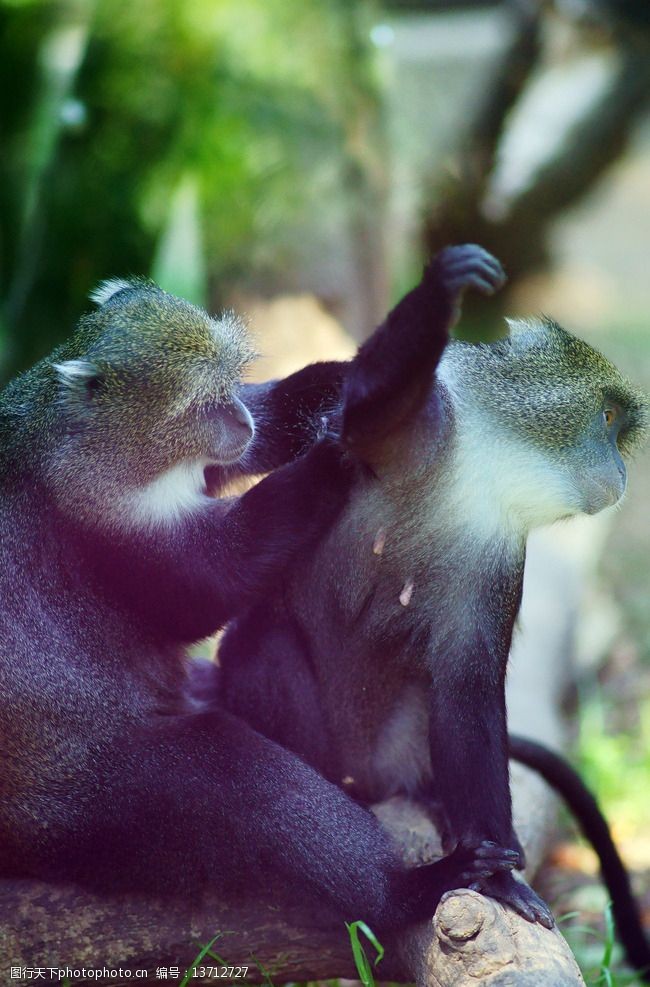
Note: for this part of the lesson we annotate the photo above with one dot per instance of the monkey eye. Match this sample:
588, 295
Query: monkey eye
609, 416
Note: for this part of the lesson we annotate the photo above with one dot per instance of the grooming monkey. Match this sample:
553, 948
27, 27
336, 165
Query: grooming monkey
381, 656
113, 558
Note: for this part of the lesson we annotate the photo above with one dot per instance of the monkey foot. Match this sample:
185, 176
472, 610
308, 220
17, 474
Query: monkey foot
518, 896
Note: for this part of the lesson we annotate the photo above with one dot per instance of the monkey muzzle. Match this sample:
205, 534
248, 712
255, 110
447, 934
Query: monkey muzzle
604, 488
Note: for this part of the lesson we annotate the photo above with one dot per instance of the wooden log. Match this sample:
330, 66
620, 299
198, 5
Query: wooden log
63, 928
474, 940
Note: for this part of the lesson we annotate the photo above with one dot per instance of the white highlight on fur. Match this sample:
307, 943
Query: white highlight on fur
379, 542
72, 372
178, 491
407, 593
505, 485
527, 332
106, 289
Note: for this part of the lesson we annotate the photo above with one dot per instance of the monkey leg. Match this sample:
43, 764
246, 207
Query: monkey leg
477, 798
203, 801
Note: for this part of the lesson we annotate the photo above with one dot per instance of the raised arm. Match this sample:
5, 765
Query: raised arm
385, 383
390, 376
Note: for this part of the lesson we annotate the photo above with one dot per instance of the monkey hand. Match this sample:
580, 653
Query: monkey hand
465, 866
461, 267
518, 896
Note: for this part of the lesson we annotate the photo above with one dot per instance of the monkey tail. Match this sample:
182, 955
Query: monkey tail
559, 774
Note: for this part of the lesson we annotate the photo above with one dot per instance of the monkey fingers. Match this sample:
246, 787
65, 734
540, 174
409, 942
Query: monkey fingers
468, 864
468, 266
518, 896
515, 843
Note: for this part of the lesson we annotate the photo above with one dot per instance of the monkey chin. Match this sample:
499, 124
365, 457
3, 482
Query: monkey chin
228, 454
599, 495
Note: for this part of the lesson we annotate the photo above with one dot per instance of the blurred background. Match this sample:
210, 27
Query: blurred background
299, 161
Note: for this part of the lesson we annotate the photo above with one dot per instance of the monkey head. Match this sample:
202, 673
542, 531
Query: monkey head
138, 403
545, 423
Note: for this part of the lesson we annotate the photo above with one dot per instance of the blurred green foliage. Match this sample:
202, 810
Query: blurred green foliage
616, 763
176, 137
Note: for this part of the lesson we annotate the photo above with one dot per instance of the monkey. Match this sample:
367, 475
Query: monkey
381, 656
114, 558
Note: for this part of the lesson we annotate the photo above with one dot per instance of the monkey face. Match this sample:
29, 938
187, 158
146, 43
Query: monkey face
544, 423
601, 475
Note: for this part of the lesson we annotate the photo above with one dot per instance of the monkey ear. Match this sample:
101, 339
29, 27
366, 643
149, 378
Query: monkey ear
528, 334
80, 378
516, 326
106, 290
